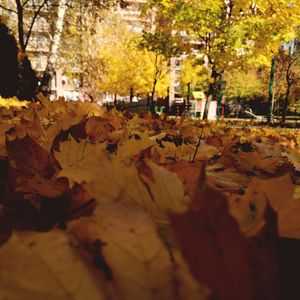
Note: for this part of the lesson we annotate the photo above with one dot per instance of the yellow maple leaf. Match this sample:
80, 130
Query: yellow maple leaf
92, 109
13, 102
135, 145
74, 159
111, 178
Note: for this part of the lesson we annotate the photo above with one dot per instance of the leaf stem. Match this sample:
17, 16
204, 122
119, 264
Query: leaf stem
198, 145
40, 121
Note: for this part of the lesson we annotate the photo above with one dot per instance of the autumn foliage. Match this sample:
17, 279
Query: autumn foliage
123, 206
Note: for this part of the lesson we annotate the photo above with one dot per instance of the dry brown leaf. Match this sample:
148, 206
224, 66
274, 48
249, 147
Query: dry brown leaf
27, 156
188, 174
279, 192
226, 178
90, 109
115, 119
133, 258
135, 145
50, 188
188, 287
111, 178
294, 158
252, 161
97, 129
185, 152
3, 129
78, 159
45, 266
219, 255
167, 190
214, 248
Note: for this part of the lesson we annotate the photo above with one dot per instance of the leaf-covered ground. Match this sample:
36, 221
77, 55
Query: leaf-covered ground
121, 206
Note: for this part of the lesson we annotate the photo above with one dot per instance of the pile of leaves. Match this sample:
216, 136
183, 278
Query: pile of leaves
124, 206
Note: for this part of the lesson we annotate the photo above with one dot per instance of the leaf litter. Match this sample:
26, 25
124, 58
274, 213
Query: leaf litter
123, 206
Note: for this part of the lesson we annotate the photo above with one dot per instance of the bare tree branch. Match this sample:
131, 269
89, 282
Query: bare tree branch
25, 3
36, 13
8, 9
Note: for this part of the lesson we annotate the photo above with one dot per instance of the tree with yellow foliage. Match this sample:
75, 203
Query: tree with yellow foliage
193, 72
241, 84
111, 60
230, 33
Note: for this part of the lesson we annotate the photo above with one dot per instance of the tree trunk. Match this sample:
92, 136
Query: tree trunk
285, 104
148, 101
115, 100
271, 86
167, 104
20, 25
131, 95
49, 72
152, 110
284, 109
210, 93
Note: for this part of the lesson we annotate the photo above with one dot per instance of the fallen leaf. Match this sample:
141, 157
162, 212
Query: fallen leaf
167, 190
97, 129
252, 161
73, 158
135, 145
29, 157
279, 192
111, 178
131, 255
294, 158
227, 178
51, 188
45, 266
188, 174
219, 255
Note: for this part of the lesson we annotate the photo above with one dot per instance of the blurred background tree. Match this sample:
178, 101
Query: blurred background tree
287, 79
56, 16
229, 33
193, 72
8, 62
112, 60
19, 78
